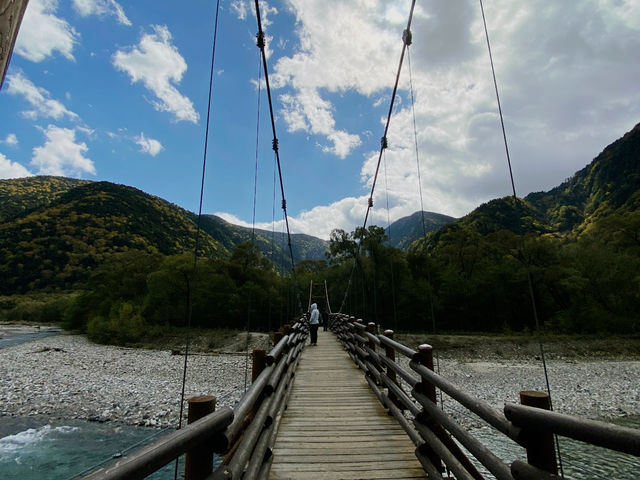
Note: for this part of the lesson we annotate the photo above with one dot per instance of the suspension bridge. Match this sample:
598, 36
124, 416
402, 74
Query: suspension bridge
359, 405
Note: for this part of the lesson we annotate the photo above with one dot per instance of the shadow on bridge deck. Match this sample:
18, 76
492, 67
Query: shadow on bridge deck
334, 426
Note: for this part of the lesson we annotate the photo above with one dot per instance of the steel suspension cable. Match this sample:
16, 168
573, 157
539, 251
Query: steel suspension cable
198, 226
393, 283
495, 86
383, 140
424, 226
261, 46
253, 224
523, 256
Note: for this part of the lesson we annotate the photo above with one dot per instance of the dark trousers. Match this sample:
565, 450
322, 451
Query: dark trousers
313, 329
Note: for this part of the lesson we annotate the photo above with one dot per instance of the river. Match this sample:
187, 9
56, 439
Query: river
36, 449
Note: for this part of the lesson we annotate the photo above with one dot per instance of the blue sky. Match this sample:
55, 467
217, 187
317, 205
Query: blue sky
117, 91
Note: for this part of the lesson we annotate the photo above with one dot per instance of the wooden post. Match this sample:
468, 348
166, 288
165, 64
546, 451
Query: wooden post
371, 328
541, 451
199, 460
390, 353
259, 363
425, 357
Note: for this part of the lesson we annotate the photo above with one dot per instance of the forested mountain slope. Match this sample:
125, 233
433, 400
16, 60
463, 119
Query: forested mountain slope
406, 230
55, 230
609, 185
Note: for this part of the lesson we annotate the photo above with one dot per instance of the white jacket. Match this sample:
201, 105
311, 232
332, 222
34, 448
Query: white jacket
315, 315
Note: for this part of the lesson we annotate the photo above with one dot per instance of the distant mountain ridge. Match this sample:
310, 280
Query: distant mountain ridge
272, 244
406, 230
54, 230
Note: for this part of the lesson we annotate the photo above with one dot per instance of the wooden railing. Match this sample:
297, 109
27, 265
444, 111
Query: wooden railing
410, 396
244, 434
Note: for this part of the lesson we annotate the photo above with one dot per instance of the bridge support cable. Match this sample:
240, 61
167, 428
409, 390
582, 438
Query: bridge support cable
393, 282
383, 141
253, 228
261, 45
326, 294
522, 255
424, 225
198, 227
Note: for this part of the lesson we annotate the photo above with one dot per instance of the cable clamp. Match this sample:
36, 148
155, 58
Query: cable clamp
370, 202
284, 204
383, 142
274, 144
260, 40
407, 37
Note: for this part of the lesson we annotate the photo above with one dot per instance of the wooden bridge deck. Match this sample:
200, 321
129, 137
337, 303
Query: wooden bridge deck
335, 428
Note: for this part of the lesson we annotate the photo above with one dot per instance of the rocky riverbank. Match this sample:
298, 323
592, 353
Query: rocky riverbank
593, 389
66, 377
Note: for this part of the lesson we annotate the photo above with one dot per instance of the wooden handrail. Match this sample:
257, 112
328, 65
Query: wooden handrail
246, 432
517, 422
155, 456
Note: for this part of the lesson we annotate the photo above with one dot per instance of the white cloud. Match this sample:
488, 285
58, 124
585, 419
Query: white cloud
266, 11
156, 62
567, 75
61, 154
9, 169
356, 52
39, 98
319, 221
307, 111
101, 8
149, 145
89, 132
239, 8
42, 33
11, 140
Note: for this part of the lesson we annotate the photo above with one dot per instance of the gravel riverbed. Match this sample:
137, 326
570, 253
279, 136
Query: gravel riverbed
605, 389
66, 377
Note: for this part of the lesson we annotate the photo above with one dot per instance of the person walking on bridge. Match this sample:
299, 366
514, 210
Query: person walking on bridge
325, 319
314, 323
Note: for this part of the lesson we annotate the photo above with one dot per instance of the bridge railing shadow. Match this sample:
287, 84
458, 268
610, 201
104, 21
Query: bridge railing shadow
411, 397
243, 435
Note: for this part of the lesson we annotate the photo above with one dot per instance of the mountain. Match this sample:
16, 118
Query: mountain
24, 194
272, 244
609, 184
54, 230
56, 245
406, 230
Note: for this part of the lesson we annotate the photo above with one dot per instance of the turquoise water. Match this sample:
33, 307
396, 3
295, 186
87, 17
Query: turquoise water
36, 449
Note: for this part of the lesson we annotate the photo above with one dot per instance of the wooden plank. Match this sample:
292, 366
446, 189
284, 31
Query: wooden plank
335, 428
353, 450
277, 474
349, 466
